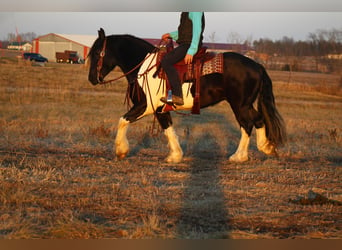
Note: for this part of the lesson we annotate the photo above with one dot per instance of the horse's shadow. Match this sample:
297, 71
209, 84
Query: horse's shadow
226, 131
204, 213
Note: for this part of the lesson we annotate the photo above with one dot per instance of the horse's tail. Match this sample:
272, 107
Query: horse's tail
274, 123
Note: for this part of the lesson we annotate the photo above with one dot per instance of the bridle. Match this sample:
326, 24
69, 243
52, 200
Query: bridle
100, 61
100, 64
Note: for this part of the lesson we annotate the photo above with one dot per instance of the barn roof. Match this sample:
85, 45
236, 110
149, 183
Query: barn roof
86, 40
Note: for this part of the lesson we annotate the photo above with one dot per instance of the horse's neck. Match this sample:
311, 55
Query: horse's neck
131, 68
130, 54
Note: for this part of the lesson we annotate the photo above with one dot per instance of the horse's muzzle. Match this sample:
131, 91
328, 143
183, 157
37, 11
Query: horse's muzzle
94, 80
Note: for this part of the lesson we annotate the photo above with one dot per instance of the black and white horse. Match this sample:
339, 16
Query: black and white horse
244, 84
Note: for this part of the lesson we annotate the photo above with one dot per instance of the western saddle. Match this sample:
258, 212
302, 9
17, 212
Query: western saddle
187, 72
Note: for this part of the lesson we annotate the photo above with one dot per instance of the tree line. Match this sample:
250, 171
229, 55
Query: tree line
22, 37
320, 43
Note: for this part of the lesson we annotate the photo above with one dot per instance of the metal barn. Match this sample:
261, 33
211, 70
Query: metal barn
48, 45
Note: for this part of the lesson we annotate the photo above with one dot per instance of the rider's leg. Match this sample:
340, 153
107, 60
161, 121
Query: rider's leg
167, 63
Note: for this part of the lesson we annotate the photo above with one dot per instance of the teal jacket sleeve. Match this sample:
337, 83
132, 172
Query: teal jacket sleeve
196, 18
174, 35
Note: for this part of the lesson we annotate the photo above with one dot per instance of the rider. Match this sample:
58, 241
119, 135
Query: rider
189, 37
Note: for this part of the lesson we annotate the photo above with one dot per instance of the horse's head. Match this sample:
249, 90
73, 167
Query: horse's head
101, 62
125, 51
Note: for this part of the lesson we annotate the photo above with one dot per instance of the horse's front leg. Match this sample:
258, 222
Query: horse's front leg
165, 121
176, 153
121, 142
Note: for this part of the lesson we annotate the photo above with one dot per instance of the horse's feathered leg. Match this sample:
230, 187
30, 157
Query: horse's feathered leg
263, 143
176, 153
241, 153
121, 142
165, 121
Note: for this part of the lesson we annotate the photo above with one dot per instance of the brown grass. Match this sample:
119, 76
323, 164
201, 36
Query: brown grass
59, 177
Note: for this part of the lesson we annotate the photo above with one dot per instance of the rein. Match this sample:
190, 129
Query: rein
100, 62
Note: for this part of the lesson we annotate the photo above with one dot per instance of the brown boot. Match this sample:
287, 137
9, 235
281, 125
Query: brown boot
177, 100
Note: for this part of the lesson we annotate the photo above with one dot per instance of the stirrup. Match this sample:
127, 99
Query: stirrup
168, 107
169, 96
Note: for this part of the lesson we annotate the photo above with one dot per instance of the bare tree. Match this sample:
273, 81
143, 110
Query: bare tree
11, 37
249, 40
234, 37
28, 37
212, 37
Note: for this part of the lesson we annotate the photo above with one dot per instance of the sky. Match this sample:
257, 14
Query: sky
251, 20
223, 25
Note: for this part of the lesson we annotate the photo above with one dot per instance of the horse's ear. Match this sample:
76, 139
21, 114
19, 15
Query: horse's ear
101, 34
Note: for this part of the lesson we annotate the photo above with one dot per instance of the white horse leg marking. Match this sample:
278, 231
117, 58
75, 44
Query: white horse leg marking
241, 153
176, 153
263, 143
121, 142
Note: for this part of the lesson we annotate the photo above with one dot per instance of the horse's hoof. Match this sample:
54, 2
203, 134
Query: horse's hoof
121, 152
171, 159
121, 156
238, 158
268, 149
274, 153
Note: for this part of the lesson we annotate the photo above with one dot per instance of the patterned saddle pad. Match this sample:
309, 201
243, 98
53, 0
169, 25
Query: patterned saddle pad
213, 64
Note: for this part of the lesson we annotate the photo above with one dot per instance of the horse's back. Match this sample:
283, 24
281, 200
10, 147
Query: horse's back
242, 70
233, 58
242, 79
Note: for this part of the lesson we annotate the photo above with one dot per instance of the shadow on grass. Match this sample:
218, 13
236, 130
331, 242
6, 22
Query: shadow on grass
203, 213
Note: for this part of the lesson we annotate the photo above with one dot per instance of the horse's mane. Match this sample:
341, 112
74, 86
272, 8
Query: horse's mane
138, 42
128, 40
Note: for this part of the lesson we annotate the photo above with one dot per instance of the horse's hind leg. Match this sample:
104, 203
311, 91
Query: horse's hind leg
241, 154
121, 142
246, 117
263, 144
165, 121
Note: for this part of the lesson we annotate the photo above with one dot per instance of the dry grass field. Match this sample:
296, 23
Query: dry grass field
59, 177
